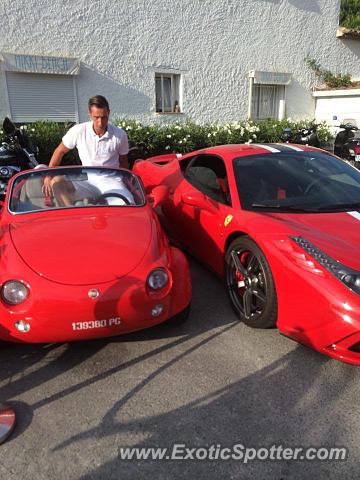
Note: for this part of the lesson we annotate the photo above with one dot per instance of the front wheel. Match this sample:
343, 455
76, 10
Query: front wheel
250, 284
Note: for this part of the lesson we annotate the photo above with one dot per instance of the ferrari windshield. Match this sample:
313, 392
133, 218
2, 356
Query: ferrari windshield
297, 182
74, 187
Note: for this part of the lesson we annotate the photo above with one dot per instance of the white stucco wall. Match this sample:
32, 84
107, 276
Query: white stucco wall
213, 43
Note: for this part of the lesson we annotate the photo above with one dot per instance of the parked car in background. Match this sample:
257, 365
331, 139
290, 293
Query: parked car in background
280, 223
92, 261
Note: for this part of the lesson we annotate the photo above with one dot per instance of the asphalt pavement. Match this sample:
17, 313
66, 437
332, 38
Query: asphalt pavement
210, 384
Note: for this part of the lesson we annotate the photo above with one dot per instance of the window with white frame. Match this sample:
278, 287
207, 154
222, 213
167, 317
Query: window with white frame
267, 100
267, 94
167, 92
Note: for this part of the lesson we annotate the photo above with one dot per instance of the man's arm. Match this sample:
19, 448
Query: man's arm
123, 161
55, 160
58, 154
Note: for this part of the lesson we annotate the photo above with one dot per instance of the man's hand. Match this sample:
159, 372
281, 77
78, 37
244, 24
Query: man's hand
47, 187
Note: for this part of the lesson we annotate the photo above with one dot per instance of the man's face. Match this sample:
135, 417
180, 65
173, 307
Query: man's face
100, 119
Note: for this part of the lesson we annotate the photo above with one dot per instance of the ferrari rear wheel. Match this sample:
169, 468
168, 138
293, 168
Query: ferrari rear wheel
250, 284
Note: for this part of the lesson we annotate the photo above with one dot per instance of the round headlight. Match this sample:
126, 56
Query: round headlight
158, 279
14, 292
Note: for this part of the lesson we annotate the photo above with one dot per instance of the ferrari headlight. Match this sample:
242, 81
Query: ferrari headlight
348, 276
158, 279
14, 292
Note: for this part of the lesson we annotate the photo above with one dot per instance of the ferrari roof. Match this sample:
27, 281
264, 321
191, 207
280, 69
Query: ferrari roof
255, 148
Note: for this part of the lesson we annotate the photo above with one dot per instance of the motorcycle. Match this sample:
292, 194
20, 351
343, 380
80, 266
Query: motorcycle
305, 136
347, 143
17, 153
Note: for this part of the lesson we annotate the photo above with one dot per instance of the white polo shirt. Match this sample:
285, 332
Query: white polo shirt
94, 150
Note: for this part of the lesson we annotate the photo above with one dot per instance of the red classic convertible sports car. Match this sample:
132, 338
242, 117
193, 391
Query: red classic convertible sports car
89, 261
281, 224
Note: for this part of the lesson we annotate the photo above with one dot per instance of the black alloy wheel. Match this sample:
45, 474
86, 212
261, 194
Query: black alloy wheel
250, 284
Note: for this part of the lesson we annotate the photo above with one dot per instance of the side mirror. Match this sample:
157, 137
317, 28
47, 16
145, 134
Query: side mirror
8, 126
158, 195
197, 199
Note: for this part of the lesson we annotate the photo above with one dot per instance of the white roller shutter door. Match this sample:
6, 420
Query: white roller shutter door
41, 97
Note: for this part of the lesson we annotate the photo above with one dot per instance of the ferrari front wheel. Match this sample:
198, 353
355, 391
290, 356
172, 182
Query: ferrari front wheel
250, 284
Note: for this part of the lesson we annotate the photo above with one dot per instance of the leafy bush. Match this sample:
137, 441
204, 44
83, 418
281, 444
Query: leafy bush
47, 136
188, 136
350, 14
330, 79
176, 137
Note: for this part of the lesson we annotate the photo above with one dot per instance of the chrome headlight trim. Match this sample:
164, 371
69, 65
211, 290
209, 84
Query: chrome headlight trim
157, 279
14, 292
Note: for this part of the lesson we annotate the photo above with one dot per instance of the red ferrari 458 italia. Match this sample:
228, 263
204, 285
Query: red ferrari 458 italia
89, 261
281, 224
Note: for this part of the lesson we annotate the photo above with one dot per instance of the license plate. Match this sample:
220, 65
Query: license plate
92, 324
357, 157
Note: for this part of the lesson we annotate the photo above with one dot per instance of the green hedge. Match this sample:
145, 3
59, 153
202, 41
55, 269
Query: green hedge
175, 137
189, 136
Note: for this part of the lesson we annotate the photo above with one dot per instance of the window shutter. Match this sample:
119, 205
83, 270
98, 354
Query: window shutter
41, 97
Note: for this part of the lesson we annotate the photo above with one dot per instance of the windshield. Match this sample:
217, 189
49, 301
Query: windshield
74, 187
298, 181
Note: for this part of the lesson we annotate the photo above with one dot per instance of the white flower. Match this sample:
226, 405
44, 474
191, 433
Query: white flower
168, 136
188, 136
33, 129
254, 135
209, 135
167, 147
128, 128
180, 141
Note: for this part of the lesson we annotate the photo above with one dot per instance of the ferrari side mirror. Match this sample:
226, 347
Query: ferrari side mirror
158, 195
7, 421
197, 199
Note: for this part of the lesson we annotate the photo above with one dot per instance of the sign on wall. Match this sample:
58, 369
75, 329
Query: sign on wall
12, 62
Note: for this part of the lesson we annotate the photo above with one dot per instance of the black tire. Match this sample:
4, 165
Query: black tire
179, 318
250, 285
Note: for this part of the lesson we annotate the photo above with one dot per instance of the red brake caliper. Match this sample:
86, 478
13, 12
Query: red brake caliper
239, 277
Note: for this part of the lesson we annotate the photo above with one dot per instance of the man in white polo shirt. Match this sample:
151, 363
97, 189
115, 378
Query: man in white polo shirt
99, 143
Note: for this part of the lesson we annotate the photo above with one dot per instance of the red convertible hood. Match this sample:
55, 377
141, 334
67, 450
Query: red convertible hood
337, 234
83, 249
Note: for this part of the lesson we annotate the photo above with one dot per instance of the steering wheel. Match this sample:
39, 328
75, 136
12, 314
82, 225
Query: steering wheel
317, 181
101, 200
